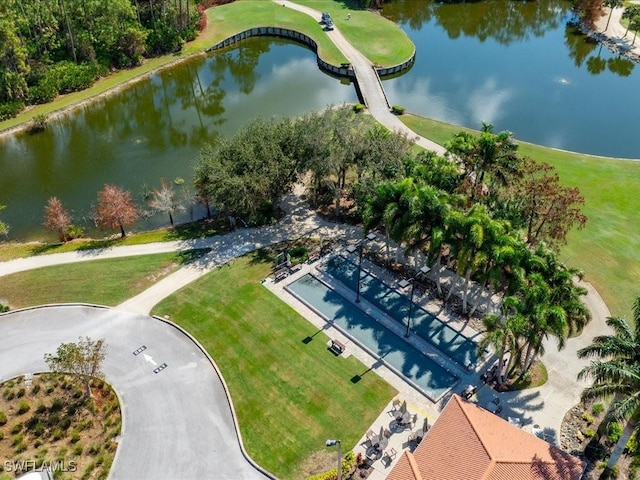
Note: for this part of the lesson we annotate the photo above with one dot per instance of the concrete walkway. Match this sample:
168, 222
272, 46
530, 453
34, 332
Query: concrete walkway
368, 82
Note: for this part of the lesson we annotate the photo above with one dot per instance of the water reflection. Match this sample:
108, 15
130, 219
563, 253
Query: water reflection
502, 21
155, 128
521, 66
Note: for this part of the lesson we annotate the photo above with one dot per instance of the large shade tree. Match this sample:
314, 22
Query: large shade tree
615, 371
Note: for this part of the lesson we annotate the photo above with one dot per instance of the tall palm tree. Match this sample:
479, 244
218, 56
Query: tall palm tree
611, 4
490, 153
615, 371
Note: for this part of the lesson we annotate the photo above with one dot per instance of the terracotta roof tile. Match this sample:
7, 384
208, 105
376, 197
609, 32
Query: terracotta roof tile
470, 443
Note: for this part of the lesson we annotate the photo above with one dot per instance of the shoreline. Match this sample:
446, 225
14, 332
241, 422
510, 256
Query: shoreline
605, 37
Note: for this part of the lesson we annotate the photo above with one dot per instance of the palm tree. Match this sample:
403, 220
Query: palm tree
474, 236
616, 371
611, 4
503, 335
630, 12
489, 153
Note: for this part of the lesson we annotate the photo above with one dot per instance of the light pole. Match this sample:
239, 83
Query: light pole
360, 246
330, 443
422, 270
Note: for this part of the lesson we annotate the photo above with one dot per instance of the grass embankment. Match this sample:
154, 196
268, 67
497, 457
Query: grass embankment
52, 422
102, 282
607, 248
187, 231
241, 15
290, 396
378, 39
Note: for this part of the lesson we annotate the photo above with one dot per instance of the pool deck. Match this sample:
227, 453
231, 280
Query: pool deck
417, 401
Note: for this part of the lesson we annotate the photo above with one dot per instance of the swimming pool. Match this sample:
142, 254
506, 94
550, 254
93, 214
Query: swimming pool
401, 356
449, 341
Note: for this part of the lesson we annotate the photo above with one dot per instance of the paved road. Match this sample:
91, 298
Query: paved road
177, 424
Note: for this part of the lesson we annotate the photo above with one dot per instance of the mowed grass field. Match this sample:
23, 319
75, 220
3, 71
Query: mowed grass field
378, 39
608, 248
232, 18
290, 395
102, 282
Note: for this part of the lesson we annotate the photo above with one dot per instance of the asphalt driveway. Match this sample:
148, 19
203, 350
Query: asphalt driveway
177, 423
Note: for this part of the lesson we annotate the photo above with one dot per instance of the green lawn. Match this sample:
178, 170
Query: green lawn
607, 248
227, 20
378, 39
187, 231
290, 396
103, 282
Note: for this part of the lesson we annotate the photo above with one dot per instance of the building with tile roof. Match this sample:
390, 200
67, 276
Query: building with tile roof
468, 442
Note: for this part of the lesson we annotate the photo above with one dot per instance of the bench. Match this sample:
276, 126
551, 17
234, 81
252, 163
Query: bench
281, 275
314, 257
295, 268
337, 347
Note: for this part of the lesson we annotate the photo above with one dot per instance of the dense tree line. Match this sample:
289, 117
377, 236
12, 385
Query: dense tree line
51, 47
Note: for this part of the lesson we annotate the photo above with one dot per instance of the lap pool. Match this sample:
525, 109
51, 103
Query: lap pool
446, 339
423, 372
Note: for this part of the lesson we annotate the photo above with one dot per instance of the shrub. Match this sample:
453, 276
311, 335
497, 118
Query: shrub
20, 447
597, 409
16, 428
10, 395
3, 418
38, 123
17, 439
36, 388
41, 408
44, 92
10, 109
398, 109
74, 231
56, 405
586, 416
77, 449
94, 449
589, 433
23, 407
21, 392
74, 436
358, 107
57, 434
348, 462
71, 77
614, 431
1, 434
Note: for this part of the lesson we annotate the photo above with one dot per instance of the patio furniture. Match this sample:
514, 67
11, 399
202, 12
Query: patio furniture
469, 391
370, 434
392, 453
396, 403
387, 433
414, 419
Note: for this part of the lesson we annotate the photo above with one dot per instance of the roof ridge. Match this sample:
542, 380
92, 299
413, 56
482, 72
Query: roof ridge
414, 466
492, 460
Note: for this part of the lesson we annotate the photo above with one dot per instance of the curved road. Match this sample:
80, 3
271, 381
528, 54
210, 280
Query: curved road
177, 424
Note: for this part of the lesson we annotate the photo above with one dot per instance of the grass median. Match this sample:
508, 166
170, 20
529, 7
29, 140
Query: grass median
290, 396
607, 248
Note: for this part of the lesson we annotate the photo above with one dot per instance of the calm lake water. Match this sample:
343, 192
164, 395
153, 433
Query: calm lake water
514, 64
518, 66
155, 129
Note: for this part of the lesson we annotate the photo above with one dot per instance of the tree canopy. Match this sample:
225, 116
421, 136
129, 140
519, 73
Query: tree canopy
83, 358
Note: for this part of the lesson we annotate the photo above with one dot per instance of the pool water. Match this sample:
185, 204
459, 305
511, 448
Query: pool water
401, 356
449, 341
